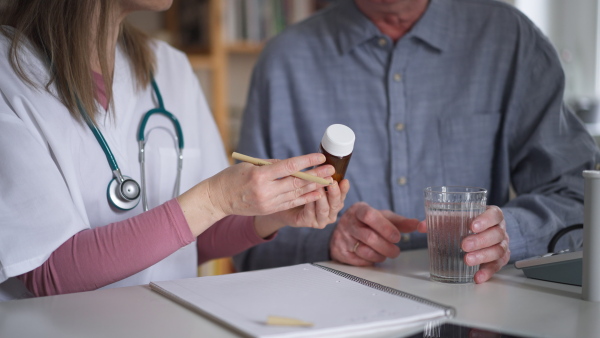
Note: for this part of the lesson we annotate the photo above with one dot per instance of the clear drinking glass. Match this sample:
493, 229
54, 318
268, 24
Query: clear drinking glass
449, 212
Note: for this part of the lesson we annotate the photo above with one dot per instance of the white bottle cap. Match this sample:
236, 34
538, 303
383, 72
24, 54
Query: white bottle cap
338, 140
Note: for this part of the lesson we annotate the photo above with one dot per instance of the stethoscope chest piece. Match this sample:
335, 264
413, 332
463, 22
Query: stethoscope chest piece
123, 192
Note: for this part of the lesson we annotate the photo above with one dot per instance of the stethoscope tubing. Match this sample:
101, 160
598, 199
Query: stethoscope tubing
112, 162
142, 151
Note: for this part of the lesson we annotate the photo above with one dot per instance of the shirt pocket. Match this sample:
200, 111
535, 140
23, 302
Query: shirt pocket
468, 144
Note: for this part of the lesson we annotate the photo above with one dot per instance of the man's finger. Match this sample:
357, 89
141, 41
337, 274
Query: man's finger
486, 255
379, 223
376, 242
422, 227
367, 253
403, 224
482, 240
490, 217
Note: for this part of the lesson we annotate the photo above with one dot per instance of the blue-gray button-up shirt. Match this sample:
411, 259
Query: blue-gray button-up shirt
471, 95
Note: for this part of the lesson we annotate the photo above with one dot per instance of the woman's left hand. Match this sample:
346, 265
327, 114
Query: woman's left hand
316, 214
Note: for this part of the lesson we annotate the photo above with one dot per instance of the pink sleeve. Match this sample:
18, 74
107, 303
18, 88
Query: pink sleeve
227, 237
97, 257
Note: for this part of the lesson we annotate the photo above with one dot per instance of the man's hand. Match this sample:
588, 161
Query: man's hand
488, 246
365, 235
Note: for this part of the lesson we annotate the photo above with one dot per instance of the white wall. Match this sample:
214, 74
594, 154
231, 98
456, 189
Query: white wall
572, 27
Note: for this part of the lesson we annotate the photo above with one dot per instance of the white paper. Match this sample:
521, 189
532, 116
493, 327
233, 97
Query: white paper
334, 304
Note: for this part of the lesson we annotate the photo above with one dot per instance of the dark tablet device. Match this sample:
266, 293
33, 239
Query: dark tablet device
451, 330
561, 267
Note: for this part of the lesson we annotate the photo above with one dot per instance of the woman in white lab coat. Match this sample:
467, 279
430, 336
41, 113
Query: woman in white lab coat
60, 230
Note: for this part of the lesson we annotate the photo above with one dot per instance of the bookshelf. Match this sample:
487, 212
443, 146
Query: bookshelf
196, 28
215, 33
222, 39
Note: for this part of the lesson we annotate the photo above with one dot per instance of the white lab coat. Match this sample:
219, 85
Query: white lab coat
54, 175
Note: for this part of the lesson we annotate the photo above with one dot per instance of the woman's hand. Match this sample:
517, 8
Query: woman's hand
316, 214
246, 189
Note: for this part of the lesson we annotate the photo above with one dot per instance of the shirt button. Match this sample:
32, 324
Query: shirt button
402, 180
399, 126
397, 77
382, 42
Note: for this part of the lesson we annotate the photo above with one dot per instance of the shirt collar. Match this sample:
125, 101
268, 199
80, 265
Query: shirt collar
354, 27
434, 27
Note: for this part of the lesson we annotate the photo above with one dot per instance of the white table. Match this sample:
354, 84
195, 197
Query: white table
509, 303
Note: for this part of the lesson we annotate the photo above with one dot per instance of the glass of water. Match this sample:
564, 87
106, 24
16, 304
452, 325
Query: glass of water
449, 212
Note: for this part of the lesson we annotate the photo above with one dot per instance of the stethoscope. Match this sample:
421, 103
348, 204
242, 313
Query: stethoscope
123, 192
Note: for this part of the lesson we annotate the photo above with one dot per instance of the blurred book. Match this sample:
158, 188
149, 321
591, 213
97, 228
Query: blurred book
255, 21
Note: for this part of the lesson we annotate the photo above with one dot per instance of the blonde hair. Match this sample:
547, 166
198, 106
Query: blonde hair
61, 31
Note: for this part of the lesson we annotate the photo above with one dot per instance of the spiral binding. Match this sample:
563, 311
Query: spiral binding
448, 311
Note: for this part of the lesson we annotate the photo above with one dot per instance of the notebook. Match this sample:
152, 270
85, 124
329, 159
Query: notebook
334, 302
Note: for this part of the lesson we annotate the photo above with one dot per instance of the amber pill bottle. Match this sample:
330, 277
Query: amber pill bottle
337, 145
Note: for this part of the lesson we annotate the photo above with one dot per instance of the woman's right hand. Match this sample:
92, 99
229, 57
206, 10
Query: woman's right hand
246, 189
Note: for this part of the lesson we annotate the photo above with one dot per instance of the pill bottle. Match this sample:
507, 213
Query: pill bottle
337, 145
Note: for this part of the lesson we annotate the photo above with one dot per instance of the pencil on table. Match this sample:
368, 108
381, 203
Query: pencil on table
285, 321
257, 161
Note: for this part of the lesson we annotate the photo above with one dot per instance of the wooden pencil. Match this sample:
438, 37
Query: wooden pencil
257, 161
285, 321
